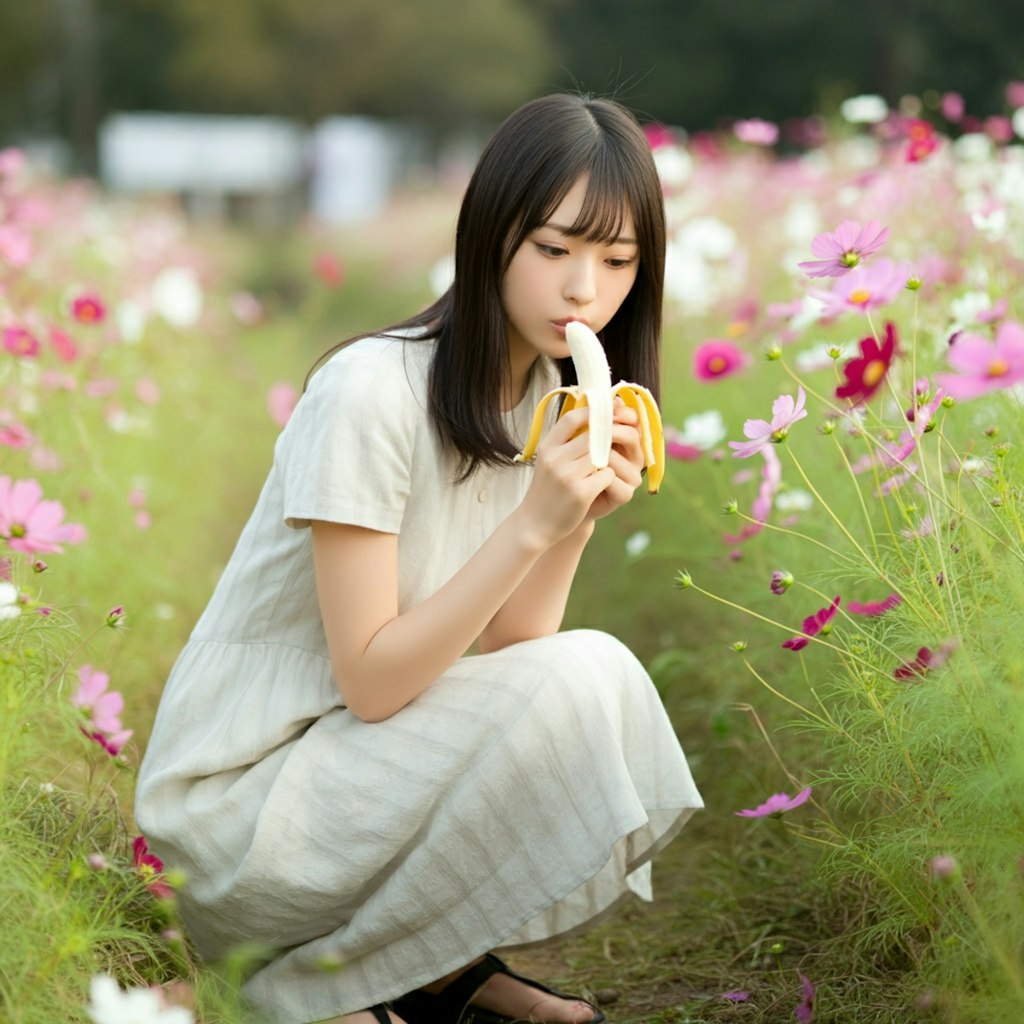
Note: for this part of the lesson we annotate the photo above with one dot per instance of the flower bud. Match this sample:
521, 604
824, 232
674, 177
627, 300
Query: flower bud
781, 581
115, 617
684, 580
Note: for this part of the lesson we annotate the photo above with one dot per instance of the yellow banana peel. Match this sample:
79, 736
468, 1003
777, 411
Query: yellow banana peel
595, 390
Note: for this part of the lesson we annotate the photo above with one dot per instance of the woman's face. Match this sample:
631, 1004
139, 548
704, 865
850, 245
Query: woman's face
554, 278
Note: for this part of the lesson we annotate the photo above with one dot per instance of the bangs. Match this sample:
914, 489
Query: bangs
605, 206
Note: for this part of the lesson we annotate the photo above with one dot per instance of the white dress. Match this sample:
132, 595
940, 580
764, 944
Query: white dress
520, 797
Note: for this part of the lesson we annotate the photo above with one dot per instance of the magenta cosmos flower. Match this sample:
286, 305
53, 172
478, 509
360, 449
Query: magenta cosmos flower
866, 287
865, 372
32, 525
819, 622
873, 609
760, 433
88, 309
716, 359
776, 805
804, 1010
841, 250
984, 365
21, 342
150, 868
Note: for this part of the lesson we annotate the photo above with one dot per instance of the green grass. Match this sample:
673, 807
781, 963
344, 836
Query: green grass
840, 890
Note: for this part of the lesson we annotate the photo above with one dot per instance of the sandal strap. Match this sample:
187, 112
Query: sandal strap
460, 991
380, 1012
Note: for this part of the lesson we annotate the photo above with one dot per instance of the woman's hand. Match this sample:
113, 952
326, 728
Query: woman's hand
566, 488
627, 460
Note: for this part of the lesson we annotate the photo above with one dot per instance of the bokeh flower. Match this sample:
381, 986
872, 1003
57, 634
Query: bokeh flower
108, 1004
864, 373
785, 412
31, 525
88, 309
10, 605
281, 400
717, 358
984, 365
818, 623
776, 805
841, 250
20, 341
755, 131
922, 140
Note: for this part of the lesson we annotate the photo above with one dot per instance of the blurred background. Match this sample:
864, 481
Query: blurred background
264, 110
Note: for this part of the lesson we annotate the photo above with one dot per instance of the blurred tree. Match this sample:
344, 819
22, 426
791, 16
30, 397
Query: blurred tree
694, 63
442, 61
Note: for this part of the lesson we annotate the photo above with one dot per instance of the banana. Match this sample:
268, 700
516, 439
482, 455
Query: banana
595, 390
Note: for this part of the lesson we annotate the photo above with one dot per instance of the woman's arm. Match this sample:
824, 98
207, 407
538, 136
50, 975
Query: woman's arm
537, 606
381, 659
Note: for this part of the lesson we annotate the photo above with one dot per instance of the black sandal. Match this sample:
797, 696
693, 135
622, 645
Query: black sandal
380, 1011
452, 1004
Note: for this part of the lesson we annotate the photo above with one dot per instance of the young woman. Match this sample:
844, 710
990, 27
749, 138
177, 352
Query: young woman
377, 752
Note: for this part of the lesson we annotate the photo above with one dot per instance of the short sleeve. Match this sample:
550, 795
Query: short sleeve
345, 455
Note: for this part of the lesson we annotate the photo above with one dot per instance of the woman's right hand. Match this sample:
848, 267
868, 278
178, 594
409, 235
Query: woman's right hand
565, 484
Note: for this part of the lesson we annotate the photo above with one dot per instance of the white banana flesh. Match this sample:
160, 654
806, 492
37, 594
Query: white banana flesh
595, 390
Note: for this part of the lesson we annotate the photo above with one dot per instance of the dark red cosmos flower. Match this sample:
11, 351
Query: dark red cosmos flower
865, 373
812, 626
925, 660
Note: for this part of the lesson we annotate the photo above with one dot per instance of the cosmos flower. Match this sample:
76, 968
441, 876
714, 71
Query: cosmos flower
776, 805
781, 581
31, 525
921, 140
21, 342
88, 309
151, 868
804, 1011
841, 250
819, 622
756, 132
761, 433
865, 372
867, 286
873, 608
716, 359
984, 365
109, 1005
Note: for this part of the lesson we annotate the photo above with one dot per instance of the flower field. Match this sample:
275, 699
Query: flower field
827, 590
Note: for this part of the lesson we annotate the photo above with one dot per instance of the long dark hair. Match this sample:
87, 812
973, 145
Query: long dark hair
523, 174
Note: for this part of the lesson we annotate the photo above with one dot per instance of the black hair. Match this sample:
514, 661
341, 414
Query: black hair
536, 156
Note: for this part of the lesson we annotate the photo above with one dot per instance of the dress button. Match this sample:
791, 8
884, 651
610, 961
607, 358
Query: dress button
482, 496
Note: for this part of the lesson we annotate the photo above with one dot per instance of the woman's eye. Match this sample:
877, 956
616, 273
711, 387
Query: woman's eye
551, 250
620, 262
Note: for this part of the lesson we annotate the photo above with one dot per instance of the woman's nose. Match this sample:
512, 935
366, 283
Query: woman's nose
581, 282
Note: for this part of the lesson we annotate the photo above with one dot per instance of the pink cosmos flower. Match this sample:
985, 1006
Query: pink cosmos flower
761, 433
865, 372
953, 106
776, 805
21, 342
804, 1010
15, 435
64, 345
716, 359
15, 245
329, 269
819, 622
102, 707
984, 365
873, 608
921, 140
88, 309
31, 525
841, 250
281, 400
1015, 94
867, 286
150, 868
756, 132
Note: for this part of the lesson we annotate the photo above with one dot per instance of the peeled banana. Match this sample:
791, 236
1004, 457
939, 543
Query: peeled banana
595, 389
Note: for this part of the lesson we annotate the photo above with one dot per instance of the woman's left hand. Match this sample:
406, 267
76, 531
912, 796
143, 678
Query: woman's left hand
627, 460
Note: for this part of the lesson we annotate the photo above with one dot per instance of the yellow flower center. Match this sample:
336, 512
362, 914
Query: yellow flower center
860, 296
997, 368
716, 364
736, 328
849, 259
873, 372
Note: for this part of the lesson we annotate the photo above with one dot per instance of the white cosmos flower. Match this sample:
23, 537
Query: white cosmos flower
793, 500
177, 296
109, 1005
9, 607
637, 543
866, 109
703, 430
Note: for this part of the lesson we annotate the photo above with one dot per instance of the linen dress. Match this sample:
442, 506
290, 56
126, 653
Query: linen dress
520, 797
